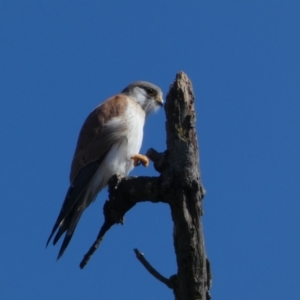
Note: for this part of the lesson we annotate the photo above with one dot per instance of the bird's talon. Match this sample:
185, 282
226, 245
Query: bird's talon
140, 159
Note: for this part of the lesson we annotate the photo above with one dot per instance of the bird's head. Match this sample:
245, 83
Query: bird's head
146, 94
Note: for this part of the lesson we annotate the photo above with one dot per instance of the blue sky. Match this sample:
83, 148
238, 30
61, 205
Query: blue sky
59, 59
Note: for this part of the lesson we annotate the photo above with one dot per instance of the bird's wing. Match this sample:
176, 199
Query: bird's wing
102, 128
95, 137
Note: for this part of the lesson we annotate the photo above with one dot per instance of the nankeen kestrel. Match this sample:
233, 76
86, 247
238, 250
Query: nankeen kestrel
109, 143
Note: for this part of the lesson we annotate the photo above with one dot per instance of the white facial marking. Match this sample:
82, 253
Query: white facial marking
148, 103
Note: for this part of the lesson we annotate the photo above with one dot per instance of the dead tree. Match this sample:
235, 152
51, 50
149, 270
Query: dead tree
179, 185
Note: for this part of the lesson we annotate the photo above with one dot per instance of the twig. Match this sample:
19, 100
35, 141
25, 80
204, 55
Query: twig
105, 227
124, 193
140, 256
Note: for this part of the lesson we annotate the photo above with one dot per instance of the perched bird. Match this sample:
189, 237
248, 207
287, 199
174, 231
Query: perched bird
108, 143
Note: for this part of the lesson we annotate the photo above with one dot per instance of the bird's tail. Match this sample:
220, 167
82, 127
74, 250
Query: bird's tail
78, 198
68, 220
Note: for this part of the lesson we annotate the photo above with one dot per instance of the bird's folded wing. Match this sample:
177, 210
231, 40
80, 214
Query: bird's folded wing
102, 128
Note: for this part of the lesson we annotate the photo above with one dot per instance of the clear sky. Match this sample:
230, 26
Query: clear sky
59, 59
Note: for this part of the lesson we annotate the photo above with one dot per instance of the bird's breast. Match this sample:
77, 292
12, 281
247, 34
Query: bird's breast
118, 159
135, 119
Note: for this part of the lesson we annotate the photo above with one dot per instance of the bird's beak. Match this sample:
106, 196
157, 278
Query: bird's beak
160, 100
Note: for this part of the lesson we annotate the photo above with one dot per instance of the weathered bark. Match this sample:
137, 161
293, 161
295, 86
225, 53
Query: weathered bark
185, 191
179, 185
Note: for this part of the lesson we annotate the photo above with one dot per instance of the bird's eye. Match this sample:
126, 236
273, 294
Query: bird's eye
150, 92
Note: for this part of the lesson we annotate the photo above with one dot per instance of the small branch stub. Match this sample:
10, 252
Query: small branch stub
140, 256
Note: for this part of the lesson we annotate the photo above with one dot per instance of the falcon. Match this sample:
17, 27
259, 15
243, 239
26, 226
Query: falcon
109, 143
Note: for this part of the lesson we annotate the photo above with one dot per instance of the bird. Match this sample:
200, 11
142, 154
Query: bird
108, 143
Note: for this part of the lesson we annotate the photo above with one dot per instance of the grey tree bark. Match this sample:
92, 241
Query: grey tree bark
179, 185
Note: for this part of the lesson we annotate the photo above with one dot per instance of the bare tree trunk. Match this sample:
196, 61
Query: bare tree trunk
185, 192
179, 185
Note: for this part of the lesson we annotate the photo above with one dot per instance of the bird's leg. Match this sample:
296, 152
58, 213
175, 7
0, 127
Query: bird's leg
140, 159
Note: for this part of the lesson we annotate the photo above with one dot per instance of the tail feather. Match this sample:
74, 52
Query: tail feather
76, 201
70, 228
62, 228
72, 197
